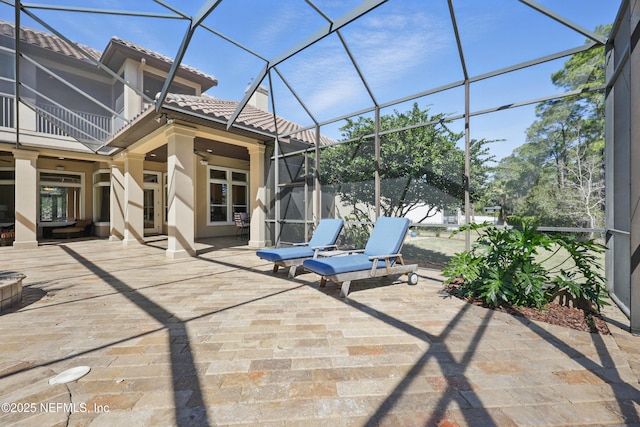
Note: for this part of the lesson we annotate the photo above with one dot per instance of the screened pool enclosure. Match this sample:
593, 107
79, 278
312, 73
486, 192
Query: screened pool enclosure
447, 112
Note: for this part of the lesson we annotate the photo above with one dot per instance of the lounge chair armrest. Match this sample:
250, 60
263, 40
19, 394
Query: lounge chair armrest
372, 257
324, 249
387, 262
335, 252
318, 248
299, 244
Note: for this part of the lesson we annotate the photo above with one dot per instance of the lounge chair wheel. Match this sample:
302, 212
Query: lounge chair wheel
413, 279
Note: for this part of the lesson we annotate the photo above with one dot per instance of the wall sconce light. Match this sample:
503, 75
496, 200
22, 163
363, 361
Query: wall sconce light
203, 162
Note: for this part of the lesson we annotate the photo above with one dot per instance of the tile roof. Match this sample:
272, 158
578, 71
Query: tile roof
144, 51
48, 41
250, 117
55, 44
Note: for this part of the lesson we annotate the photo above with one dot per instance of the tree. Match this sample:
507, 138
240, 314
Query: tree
557, 175
420, 166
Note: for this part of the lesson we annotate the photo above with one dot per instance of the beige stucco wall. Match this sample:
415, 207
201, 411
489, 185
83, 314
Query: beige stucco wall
202, 201
201, 179
202, 228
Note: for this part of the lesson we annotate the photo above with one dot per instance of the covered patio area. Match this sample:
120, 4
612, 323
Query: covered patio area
218, 339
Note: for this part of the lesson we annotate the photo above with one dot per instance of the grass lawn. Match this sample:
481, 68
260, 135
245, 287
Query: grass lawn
431, 250
434, 248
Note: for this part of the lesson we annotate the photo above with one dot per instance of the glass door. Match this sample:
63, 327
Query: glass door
152, 210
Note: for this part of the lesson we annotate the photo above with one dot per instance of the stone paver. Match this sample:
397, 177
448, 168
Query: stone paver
220, 340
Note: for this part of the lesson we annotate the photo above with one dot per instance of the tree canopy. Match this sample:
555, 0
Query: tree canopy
557, 175
420, 166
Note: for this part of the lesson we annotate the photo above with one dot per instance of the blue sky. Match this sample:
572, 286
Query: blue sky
403, 47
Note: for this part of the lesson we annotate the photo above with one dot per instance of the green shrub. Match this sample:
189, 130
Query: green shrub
503, 267
355, 234
517, 220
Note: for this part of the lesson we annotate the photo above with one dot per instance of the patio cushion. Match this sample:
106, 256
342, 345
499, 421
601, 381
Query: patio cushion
387, 236
326, 234
282, 254
67, 232
340, 264
386, 239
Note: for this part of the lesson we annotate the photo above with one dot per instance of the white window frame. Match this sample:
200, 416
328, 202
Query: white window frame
9, 181
95, 193
229, 182
157, 185
165, 197
62, 184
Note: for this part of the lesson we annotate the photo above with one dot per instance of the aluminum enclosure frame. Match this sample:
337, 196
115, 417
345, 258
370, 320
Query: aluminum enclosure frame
622, 150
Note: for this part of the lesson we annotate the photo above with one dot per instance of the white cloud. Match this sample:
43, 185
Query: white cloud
387, 47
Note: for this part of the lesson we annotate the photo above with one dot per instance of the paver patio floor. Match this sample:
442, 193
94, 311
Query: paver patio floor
219, 339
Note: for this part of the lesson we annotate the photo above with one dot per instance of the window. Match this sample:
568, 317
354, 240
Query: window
152, 205
60, 196
228, 193
101, 195
165, 195
7, 195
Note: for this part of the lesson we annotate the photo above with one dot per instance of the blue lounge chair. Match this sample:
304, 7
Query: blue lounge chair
324, 239
384, 245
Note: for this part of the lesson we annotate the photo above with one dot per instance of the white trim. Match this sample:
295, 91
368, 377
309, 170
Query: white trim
9, 182
165, 197
62, 184
95, 193
157, 188
229, 182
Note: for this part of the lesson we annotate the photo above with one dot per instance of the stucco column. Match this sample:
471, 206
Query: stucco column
117, 202
133, 199
26, 226
257, 196
180, 192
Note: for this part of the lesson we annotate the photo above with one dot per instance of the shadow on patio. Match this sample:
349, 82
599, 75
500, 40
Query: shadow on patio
218, 339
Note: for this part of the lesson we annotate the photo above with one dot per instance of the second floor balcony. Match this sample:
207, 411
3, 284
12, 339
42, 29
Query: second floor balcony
88, 128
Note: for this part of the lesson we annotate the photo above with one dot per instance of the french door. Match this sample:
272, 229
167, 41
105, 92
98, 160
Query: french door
152, 210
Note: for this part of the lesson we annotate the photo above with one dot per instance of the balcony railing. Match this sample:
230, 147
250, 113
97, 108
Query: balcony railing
6, 111
86, 127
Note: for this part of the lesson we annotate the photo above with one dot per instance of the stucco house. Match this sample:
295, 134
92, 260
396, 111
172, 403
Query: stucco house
91, 145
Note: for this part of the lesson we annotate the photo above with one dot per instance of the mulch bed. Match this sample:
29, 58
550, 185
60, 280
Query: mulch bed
555, 314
